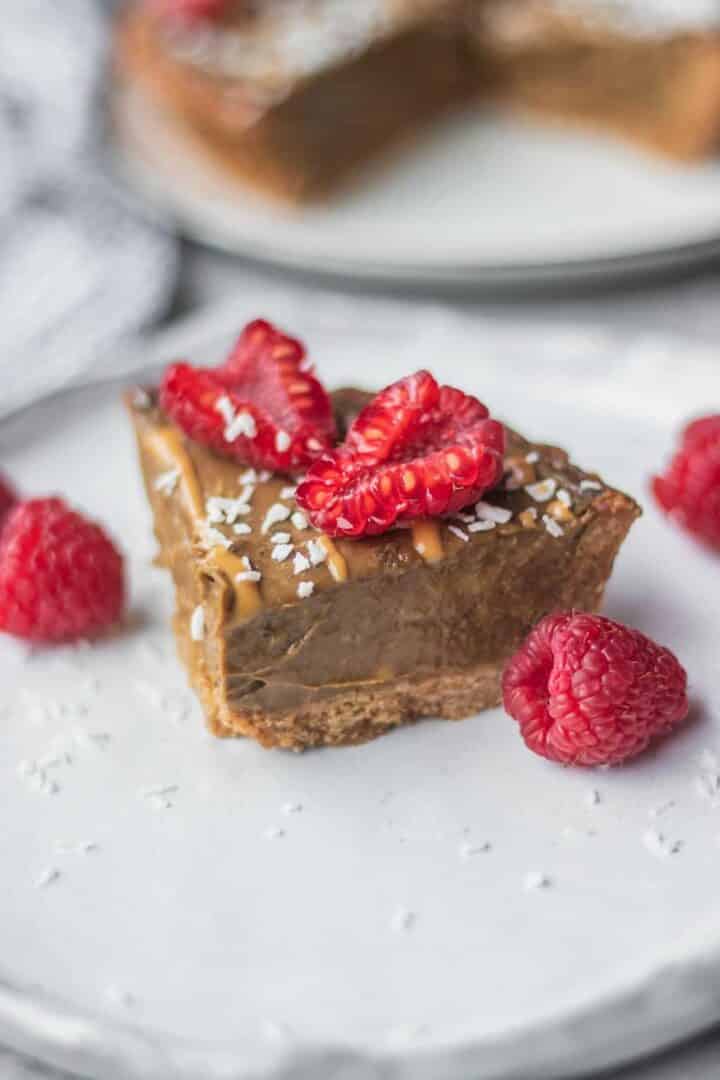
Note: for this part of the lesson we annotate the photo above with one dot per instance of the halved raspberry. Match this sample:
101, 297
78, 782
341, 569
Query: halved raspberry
689, 491
189, 10
8, 497
417, 450
61, 577
589, 691
263, 407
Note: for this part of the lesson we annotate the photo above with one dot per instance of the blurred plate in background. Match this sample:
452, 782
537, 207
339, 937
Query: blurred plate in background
484, 200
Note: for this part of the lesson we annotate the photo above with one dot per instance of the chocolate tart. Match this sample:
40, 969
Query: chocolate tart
295, 96
295, 102
632, 70
297, 640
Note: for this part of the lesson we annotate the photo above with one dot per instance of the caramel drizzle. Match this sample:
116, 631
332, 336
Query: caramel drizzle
248, 601
167, 445
337, 565
427, 541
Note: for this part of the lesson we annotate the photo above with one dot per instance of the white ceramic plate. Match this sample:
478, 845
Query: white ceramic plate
484, 199
363, 943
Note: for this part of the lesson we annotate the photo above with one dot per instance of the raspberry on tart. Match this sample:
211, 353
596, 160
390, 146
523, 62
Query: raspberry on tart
689, 490
61, 577
589, 691
306, 616
263, 407
417, 450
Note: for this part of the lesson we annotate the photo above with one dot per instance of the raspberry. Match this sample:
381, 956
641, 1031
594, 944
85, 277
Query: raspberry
61, 578
589, 691
689, 491
263, 407
189, 10
8, 497
417, 450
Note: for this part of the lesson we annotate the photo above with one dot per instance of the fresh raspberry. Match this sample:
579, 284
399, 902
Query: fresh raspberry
690, 489
263, 407
189, 10
589, 691
61, 578
8, 497
417, 450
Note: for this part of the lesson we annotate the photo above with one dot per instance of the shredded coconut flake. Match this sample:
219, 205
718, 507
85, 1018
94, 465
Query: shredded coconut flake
118, 996
249, 575
281, 538
197, 623
282, 442
403, 920
282, 552
242, 529
159, 789
166, 482
469, 849
226, 511
497, 514
299, 520
86, 847
242, 424
709, 760
288, 492
707, 786
224, 406
316, 552
460, 533
300, 563
212, 537
305, 589
250, 476
532, 458
481, 526
590, 485
552, 526
535, 880
564, 497
658, 844
274, 516
47, 877
543, 491
662, 808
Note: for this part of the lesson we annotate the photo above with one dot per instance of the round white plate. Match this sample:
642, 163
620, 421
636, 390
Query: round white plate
356, 914
484, 198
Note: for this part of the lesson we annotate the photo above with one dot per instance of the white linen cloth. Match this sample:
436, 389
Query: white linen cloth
80, 266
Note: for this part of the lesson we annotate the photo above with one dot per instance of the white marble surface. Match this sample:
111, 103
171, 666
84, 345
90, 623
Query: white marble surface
687, 309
